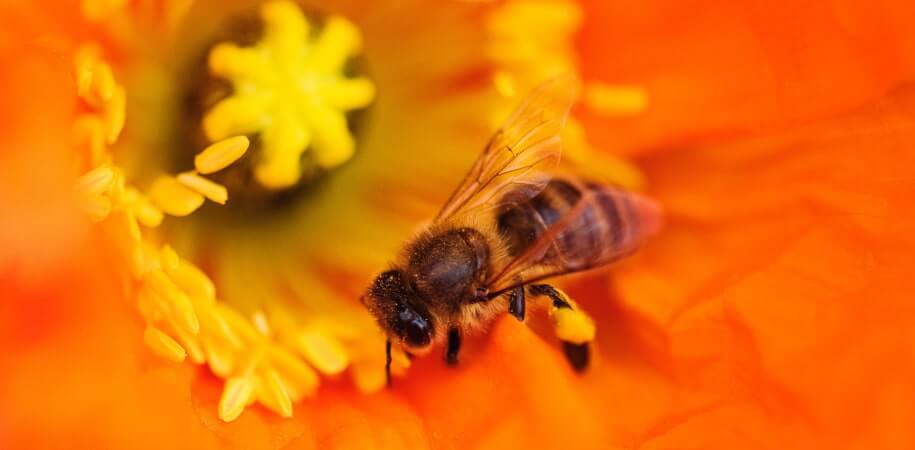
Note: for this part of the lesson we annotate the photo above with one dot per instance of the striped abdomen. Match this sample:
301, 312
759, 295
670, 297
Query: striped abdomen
601, 224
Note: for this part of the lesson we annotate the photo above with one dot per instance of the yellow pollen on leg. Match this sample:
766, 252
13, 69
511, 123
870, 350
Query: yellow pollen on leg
291, 89
571, 324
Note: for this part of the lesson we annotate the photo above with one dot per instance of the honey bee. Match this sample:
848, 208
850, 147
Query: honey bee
511, 223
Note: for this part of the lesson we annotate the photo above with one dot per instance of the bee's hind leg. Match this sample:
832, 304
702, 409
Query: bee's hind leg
572, 325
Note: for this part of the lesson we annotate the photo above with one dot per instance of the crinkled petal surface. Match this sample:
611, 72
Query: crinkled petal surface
774, 311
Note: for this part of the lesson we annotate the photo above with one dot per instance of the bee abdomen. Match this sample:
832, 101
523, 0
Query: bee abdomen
609, 224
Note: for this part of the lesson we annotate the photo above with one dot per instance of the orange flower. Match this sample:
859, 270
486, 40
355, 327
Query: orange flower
771, 311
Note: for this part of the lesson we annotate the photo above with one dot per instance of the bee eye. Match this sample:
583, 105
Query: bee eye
414, 329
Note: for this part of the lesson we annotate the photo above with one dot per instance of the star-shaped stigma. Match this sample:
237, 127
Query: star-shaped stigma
291, 89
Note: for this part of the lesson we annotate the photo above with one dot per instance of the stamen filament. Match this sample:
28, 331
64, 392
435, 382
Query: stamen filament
163, 345
209, 189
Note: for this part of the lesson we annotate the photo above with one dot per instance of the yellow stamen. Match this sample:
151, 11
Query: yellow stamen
326, 354
235, 397
178, 301
143, 261
163, 345
192, 345
220, 358
169, 259
193, 281
147, 213
151, 306
291, 89
96, 206
173, 197
84, 61
89, 133
272, 392
115, 113
94, 78
209, 189
221, 154
302, 379
615, 100
97, 181
128, 222
118, 190
211, 321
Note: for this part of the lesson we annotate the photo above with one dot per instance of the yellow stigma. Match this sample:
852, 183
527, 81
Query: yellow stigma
291, 89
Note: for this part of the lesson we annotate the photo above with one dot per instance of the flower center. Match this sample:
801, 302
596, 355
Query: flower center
292, 85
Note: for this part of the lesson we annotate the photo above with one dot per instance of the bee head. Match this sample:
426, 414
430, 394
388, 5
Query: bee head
399, 313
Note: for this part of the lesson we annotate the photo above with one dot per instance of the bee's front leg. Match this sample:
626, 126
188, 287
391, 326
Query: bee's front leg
454, 346
516, 303
387, 362
572, 325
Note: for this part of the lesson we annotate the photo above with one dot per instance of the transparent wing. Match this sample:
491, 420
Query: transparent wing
604, 225
518, 153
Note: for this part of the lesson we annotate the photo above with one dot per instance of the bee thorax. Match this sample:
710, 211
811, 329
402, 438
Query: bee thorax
448, 268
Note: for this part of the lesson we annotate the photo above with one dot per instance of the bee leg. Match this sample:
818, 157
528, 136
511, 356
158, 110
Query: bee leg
516, 303
572, 326
454, 346
387, 362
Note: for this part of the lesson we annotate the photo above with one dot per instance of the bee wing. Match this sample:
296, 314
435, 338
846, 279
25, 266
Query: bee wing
604, 225
518, 153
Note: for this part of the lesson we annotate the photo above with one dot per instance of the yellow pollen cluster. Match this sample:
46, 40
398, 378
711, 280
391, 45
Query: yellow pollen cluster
531, 41
291, 90
103, 188
175, 297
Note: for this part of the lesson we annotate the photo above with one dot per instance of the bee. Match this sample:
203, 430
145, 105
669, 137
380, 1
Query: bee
511, 223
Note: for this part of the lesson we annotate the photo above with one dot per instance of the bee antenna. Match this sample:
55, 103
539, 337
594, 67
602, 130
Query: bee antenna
387, 361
